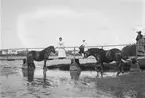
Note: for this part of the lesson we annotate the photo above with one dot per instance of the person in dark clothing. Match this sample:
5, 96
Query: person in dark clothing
139, 36
140, 41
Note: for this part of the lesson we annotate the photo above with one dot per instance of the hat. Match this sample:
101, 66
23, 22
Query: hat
60, 37
138, 32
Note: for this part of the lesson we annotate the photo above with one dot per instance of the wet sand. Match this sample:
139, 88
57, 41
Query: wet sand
23, 83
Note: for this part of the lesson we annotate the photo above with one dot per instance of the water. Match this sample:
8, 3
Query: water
16, 82
23, 83
51, 84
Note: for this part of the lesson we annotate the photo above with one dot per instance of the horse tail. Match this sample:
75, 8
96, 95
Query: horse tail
29, 58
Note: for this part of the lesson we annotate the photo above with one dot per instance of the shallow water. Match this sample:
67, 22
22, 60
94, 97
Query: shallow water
23, 83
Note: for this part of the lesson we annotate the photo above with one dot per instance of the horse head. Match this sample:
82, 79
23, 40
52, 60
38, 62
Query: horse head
46, 52
52, 49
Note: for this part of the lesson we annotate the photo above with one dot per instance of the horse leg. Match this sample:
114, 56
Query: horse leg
122, 70
33, 65
97, 69
102, 68
28, 64
30, 61
44, 67
119, 68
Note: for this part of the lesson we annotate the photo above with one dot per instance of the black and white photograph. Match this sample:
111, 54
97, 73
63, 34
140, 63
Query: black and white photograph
72, 48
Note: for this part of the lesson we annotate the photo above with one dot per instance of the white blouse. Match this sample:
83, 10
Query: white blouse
60, 44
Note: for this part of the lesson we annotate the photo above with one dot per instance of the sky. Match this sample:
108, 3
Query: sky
39, 23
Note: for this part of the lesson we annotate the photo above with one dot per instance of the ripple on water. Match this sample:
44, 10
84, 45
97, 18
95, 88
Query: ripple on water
21, 83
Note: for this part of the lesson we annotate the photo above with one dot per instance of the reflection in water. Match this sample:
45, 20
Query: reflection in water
57, 84
44, 76
29, 73
75, 69
45, 81
25, 72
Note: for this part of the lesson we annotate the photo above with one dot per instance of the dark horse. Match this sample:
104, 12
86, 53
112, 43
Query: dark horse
106, 56
39, 56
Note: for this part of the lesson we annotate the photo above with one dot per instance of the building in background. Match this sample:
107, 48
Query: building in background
3, 52
12, 52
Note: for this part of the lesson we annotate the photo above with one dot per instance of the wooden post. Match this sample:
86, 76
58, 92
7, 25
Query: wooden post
74, 53
137, 65
7, 54
136, 50
26, 52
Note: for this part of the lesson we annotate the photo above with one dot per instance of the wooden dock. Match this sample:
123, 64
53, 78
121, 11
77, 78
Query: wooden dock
12, 58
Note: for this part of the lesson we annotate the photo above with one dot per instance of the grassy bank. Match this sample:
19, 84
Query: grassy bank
131, 84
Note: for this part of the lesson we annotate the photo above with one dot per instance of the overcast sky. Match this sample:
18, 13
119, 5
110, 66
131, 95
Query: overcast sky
39, 23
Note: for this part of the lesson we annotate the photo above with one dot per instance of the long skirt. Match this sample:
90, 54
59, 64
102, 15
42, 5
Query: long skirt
61, 53
140, 47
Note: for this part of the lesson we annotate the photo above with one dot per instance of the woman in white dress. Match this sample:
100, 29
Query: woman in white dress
61, 49
85, 45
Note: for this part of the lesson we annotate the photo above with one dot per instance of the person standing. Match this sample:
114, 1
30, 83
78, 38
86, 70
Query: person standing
139, 36
140, 47
84, 45
61, 49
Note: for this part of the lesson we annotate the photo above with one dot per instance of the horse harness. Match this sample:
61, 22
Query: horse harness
108, 55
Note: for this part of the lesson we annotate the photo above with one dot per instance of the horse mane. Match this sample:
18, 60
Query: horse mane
96, 49
46, 48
